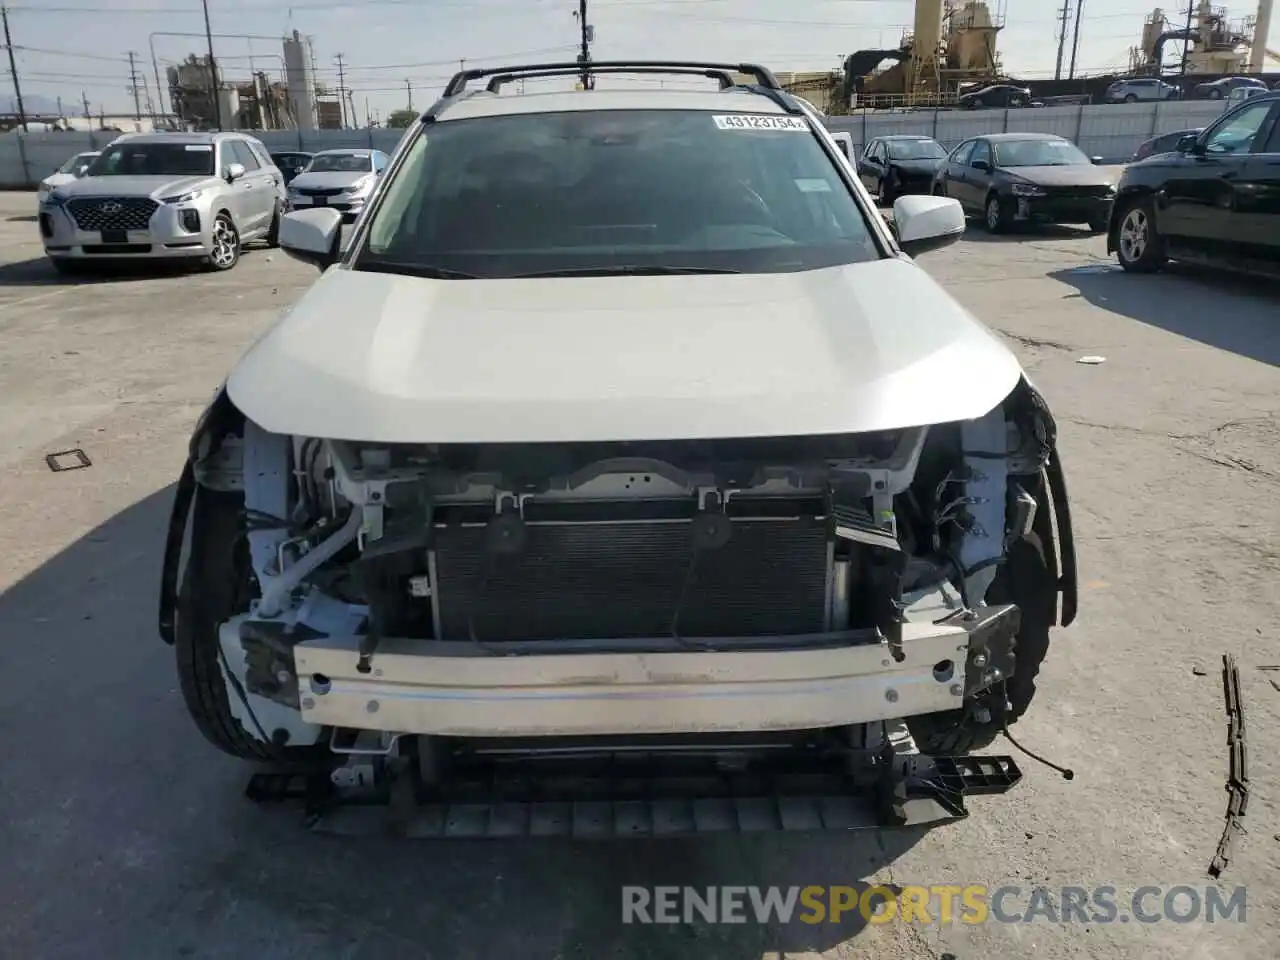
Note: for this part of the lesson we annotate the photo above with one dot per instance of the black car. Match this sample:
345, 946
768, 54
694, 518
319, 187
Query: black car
1220, 89
996, 95
291, 163
1215, 201
1165, 143
894, 165
1011, 178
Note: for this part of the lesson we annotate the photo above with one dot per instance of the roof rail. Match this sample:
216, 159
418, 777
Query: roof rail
763, 75
501, 80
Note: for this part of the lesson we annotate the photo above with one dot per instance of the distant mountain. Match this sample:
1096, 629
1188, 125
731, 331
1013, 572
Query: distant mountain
33, 103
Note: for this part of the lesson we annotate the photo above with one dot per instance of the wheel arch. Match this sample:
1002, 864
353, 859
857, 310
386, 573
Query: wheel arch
219, 418
1121, 206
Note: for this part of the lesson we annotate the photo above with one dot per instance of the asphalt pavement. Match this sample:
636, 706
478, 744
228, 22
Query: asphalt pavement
124, 834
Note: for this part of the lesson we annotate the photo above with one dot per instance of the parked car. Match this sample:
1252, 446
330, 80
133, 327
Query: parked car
1165, 143
198, 196
70, 170
895, 165
996, 95
291, 163
1244, 92
1012, 178
617, 421
341, 180
1133, 89
1213, 201
1221, 89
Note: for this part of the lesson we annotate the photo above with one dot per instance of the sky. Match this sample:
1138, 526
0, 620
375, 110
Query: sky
68, 47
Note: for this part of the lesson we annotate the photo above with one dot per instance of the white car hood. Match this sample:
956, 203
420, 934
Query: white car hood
385, 358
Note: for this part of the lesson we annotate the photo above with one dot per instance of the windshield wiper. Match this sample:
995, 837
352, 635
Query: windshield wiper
425, 270
627, 270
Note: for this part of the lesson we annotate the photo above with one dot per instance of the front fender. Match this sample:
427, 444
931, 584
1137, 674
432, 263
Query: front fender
218, 418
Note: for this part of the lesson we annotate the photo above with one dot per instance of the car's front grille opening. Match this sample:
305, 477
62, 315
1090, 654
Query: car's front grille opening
46, 225
112, 213
315, 192
101, 248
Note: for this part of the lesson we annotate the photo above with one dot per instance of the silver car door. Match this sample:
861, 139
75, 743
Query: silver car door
257, 191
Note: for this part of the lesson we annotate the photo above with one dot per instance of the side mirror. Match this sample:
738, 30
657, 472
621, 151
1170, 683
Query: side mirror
927, 223
1186, 143
1095, 160
982, 165
234, 172
84, 168
312, 236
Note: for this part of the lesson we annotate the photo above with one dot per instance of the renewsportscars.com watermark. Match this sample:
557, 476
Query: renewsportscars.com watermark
941, 903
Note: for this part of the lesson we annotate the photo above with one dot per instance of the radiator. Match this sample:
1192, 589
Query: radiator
624, 580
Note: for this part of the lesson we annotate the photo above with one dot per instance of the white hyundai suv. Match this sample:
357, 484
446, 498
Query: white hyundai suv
622, 425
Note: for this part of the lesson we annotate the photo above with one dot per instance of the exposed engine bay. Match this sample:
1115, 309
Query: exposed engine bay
457, 590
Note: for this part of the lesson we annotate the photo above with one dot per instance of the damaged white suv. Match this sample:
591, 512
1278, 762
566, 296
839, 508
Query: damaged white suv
622, 429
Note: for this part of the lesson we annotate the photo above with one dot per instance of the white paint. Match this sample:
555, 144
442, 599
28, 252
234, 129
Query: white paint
385, 358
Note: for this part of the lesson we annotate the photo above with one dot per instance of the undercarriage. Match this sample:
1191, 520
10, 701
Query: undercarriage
623, 638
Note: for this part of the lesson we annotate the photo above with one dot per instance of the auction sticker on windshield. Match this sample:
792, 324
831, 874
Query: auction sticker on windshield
751, 121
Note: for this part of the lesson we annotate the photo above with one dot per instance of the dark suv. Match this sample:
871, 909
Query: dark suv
1216, 200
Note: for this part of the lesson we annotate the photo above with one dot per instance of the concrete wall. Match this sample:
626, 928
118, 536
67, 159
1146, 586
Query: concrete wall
1110, 131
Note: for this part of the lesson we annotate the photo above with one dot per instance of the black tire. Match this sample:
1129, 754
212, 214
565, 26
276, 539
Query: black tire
216, 585
224, 231
1131, 98
273, 233
1139, 246
884, 190
1025, 579
999, 219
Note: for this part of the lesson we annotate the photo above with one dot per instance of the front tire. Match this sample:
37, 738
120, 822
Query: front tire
1024, 579
215, 587
273, 232
225, 253
996, 216
1139, 246
884, 191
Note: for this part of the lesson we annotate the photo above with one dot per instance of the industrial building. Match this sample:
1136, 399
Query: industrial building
1214, 43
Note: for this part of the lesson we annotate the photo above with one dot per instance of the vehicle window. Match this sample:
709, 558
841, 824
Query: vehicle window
76, 162
340, 163
260, 151
961, 153
873, 151
916, 150
1039, 153
593, 190
154, 159
1235, 133
982, 151
1273, 142
240, 153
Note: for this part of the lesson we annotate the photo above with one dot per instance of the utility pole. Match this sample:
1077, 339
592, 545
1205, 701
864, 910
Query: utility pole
213, 69
584, 55
1186, 43
368, 117
1075, 39
88, 114
133, 82
13, 70
1062, 36
409, 89
342, 92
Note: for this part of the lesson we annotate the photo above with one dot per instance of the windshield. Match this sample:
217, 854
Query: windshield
635, 190
154, 159
915, 150
1038, 153
76, 162
341, 163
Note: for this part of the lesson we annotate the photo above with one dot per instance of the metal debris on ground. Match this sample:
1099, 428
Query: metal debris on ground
1237, 768
58, 462
1092, 360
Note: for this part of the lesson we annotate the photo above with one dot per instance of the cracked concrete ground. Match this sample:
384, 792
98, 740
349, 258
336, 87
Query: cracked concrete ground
125, 835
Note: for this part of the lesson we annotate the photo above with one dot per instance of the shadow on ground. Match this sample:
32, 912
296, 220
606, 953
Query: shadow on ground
1020, 233
1229, 312
29, 218
39, 272
117, 814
